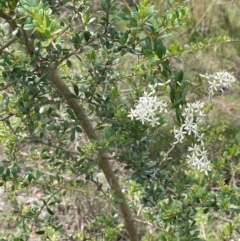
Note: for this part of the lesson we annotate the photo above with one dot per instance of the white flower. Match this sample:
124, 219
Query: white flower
147, 108
225, 78
190, 128
194, 108
179, 135
198, 158
163, 84
193, 114
218, 81
200, 138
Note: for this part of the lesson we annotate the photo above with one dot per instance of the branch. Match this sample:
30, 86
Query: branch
127, 6
8, 19
147, 223
8, 84
149, 35
103, 158
6, 117
4, 15
8, 43
58, 147
29, 43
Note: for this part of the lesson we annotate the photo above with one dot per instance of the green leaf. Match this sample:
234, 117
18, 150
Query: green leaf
7, 172
233, 206
35, 23
36, 108
122, 16
178, 102
105, 4
37, 174
237, 138
25, 97
1, 169
117, 49
115, 93
52, 203
47, 33
206, 210
69, 64
47, 22
159, 48
78, 129
30, 214
52, 26
179, 76
148, 44
72, 136
76, 90
4, 177
101, 126
172, 94
109, 132
87, 35
14, 171
45, 44
28, 27
196, 233
163, 237
30, 177
50, 211
3, 5
73, 95
112, 32
109, 44
71, 113
40, 232
5, 98
41, 13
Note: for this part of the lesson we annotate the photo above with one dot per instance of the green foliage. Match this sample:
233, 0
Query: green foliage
49, 153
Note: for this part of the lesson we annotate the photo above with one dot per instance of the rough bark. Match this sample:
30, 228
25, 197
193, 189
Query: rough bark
104, 163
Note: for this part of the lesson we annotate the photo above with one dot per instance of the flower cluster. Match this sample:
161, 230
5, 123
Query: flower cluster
219, 81
193, 114
147, 108
198, 158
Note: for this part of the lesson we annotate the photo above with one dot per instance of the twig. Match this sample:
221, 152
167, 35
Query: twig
126, 90
60, 147
203, 231
170, 149
147, 223
6, 117
144, 222
8, 84
4, 15
9, 19
8, 43
149, 36
221, 218
127, 6
63, 186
